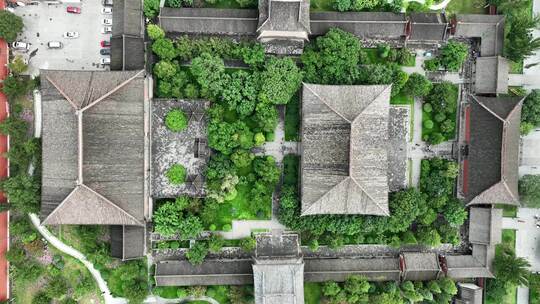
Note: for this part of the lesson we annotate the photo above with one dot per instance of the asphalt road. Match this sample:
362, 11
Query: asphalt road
44, 23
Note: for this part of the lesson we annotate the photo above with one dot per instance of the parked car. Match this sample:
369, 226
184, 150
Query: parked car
21, 46
106, 10
106, 30
107, 3
71, 35
105, 51
106, 21
54, 44
73, 10
105, 43
105, 61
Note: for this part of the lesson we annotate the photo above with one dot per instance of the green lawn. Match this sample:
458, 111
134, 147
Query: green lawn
292, 119
401, 99
312, 293
508, 211
466, 7
290, 170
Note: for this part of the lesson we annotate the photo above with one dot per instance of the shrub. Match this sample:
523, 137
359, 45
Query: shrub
164, 48
246, 3
428, 124
342, 5
191, 91
226, 227
453, 55
151, 8
197, 253
176, 174
176, 120
10, 25
427, 108
259, 139
439, 117
417, 85
383, 50
155, 32
431, 65
248, 244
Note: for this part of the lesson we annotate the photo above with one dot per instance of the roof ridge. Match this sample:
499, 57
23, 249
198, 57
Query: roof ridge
325, 194
388, 86
113, 204
370, 197
114, 90
308, 86
62, 92
488, 109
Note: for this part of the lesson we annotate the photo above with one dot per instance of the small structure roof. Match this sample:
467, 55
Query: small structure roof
428, 27
485, 226
493, 154
277, 244
188, 147
491, 75
208, 21
128, 242
93, 147
489, 28
421, 266
362, 24
283, 19
344, 149
469, 293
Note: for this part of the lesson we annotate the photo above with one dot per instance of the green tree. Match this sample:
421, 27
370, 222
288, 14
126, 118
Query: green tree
240, 93
15, 86
164, 69
530, 112
356, 285
452, 55
10, 25
130, 281
342, 5
176, 174
443, 97
23, 192
164, 48
447, 286
529, 190
17, 65
267, 169
404, 208
246, 3
215, 243
521, 42
168, 217
399, 80
417, 85
266, 116
332, 59
509, 268
242, 158
248, 244
428, 236
176, 120
331, 289
210, 74
155, 32
280, 80
151, 8
197, 253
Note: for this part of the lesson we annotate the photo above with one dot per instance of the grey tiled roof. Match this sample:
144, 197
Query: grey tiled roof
493, 157
485, 226
420, 266
127, 18
102, 148
169, 148
127, 53
344, 149
491, 75
375, 269
208, 20
277, 245
362, 24
281, 283
128, 242
283, 16
489, 28
428, 26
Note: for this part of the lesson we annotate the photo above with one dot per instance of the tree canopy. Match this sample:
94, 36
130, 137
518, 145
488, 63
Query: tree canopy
10, 25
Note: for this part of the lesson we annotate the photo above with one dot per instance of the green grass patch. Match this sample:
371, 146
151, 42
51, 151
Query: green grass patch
401, 99
508, 211
292, 119
466, 7
509, 237
219, 293
516, 67
312, 293
290, 170
322, 5
374, 58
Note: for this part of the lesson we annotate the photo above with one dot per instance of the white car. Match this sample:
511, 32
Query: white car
105, 61
71, 35
106, 10
106, 21
19, 45
106, 30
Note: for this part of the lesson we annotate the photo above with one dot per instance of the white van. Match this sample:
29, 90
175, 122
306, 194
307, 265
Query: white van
54, 44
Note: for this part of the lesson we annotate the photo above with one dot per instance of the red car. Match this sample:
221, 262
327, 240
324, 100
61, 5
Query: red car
105, 43
73, 10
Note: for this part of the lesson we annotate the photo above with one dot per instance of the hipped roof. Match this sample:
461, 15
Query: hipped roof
93, 147
344, 149
493, 156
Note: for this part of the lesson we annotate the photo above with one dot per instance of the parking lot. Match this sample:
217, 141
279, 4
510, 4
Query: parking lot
44, 23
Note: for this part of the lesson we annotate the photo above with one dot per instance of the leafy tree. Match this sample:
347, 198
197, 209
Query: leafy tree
191, 91
176, 174
428, 236
529, 190
246, 3
151, 8
176, 120
521, 42
169, 216
342, 5
164, 48
509, 268
155, 32
267, 169
219, 166
530, 113
17, 65
23, 192
173, 3
356, 285
164, 69
130, 280
333, 58
331, 289
442, 97
266, 116
15, 86
399, 80
376, 74
242, 158
447, 286
405, 208
10, 25
280, 80
453, 54
417, 85
259, 139
240, 93
210, 74
383, 49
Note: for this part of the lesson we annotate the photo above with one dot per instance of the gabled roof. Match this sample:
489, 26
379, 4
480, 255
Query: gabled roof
421, 266
493, 155
491, 75
344, 149
127, 18
489, 28
485, 226
93, 147
127, 53
428, 26
362, 24
283, 19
